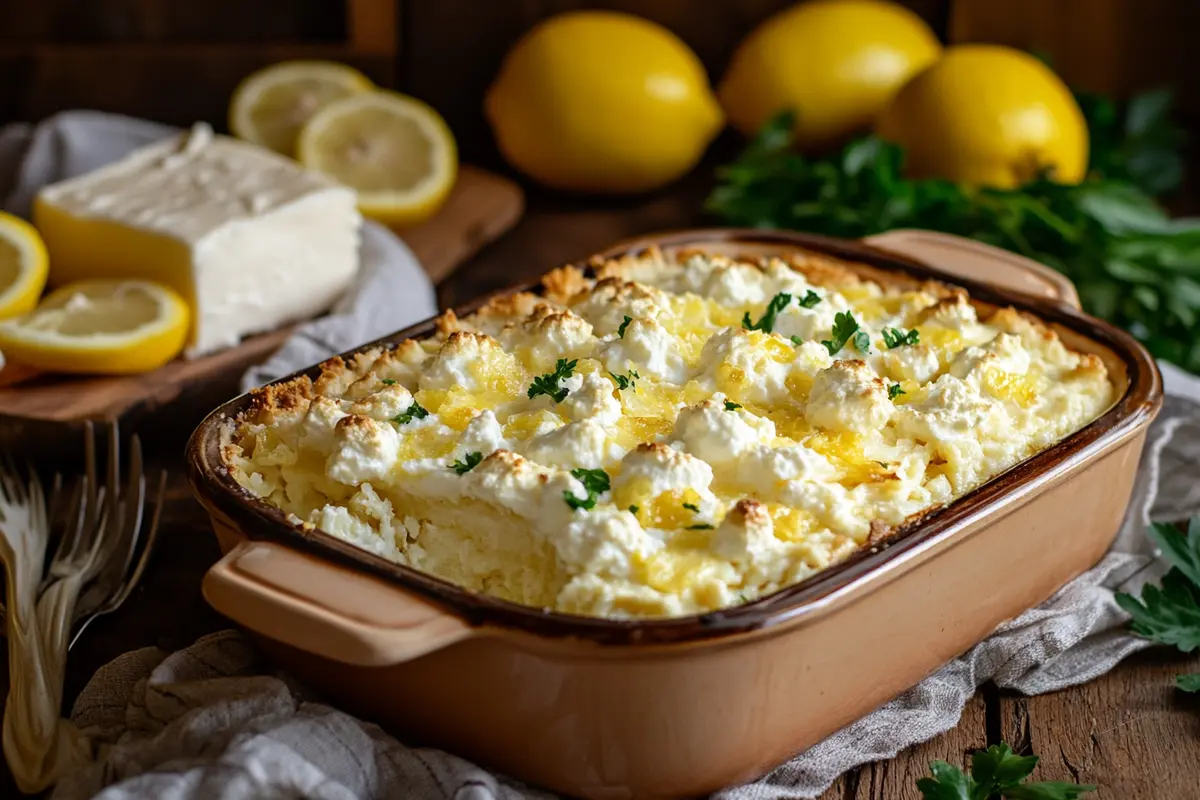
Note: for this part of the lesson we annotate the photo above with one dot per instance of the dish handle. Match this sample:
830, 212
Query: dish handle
325, 609
978, 261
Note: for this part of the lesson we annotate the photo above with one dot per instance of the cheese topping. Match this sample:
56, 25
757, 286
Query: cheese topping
664, 437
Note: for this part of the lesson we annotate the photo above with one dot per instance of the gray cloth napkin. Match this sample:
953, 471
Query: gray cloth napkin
213, 720
391, 292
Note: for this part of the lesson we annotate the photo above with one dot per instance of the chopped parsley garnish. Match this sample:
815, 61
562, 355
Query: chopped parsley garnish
732, 406
548, 384
626, 381
701, 527
844, 326
894, 337
470, 461
809, 300
624, 324
766, 323
862, 342
692, 507
883, 464
595, 483
634, 509
409, 414
388, 382
895, 391
796, 340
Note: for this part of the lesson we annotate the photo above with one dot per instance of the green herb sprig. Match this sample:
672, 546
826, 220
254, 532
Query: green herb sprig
414, 411
1170, 613
595, 483
995, 772
549, 384
1131, 263
626, 381
624, 324
894, 391
766, 323
844, 327
732, 406
893, 337
469, 462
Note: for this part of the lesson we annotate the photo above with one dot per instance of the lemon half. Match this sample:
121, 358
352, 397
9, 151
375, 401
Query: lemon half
396, 151
271, 106
102, 326
23, 266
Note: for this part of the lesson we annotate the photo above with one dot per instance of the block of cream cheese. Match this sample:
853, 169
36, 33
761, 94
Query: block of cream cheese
251, 239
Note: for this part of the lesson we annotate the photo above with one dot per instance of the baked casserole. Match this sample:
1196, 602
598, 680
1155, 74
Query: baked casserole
661, 436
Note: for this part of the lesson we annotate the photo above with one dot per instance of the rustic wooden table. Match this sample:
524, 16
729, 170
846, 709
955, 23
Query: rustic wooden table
1130, 732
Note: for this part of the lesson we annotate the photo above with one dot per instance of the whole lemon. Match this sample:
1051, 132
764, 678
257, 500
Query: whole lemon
988, 115
835, 63
597, 101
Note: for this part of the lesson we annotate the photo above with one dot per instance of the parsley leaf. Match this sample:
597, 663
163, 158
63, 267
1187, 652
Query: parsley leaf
895, 391
409, 414
634, 510
701, 527
894, 337
766, 323
997, 771
548, 384
692, 507
732, 406
809, 300
624, 324
595, 483
626, 381
862, 342
387, 382
796, 340
1170, 613
470, 461
844, 326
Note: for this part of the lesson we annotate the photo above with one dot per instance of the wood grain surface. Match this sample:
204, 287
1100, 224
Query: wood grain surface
481, 207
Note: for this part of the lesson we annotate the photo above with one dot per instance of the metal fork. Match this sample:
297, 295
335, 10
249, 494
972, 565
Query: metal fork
102, 528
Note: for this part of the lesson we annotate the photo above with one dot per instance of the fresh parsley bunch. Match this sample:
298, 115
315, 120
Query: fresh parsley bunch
1131, 263
1170, 613
995, 772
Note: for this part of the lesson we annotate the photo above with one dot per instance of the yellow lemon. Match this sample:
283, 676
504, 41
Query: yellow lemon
988, 115
103, 326
834, 63
393, 149
599, 101
271, 106
23, 266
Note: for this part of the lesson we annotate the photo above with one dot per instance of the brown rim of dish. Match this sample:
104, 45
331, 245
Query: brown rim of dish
212, 481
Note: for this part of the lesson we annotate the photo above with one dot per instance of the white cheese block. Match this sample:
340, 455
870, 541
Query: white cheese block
250, 238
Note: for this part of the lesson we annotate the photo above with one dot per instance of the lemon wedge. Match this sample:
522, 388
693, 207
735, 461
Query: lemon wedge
107, 327
271, 106
396, 151
23, 266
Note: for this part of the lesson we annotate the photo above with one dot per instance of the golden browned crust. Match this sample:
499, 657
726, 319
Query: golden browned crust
447, 322
561, 284
821, 270
267, 403
521, 304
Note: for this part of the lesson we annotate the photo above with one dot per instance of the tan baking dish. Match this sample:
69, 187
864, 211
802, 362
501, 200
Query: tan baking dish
681, 707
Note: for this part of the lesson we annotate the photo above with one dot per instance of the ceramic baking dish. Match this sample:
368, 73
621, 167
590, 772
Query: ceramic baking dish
681, 707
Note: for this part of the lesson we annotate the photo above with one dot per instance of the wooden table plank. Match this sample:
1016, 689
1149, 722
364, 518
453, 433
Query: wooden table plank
1130, 732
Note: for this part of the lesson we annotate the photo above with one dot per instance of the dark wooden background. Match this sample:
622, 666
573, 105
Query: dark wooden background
178, 60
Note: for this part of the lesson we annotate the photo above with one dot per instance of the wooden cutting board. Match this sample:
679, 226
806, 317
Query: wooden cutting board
481, 208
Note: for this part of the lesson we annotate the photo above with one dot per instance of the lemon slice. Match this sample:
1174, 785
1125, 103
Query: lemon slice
23, 266
393, 149
271, 106
100, 327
